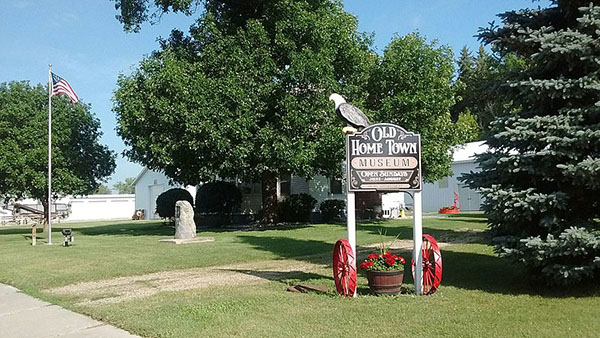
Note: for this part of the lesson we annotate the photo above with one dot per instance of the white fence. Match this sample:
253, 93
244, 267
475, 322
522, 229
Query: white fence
90, 208
101, 207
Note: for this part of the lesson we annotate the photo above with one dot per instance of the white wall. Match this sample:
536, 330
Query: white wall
148, 186
439, 194
299, 185
5, 214
102, 207
92, 207
319, 188
394, 200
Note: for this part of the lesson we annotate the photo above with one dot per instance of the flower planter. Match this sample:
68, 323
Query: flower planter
385, 282
449, 211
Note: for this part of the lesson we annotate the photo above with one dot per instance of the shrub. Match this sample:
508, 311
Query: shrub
165, 202
332, 210
569, 259
218, 197
296, 208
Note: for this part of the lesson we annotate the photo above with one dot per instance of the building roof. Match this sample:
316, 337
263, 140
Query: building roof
144, 170
466, 152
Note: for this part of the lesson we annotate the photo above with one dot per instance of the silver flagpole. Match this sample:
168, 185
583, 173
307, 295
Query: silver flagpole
50, 154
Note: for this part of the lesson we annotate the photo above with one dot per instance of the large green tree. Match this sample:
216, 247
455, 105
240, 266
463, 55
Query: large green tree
126, 186
541, 178
133, 13
478, 82
79, 161
412, 86
102, 189
245, 94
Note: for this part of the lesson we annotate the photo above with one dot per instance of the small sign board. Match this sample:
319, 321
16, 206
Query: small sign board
384, 157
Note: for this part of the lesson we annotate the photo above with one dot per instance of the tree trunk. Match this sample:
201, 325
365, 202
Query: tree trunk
269, 198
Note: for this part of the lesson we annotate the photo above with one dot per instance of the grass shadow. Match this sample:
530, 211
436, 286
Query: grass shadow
493, 274
127, 229
133, 228
441, 235
256, 227
479, 215
307, 250
481, 221
25, 230
282, 276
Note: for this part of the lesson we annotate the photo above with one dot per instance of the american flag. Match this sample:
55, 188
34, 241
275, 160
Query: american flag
61, 86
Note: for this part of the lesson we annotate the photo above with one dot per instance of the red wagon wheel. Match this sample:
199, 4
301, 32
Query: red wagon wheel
432, 265
344, 268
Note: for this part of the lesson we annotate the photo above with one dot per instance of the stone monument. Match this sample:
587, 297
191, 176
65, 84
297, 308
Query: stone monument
185, 228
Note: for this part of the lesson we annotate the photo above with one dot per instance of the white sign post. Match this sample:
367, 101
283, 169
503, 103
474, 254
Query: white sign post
418, 241
386, 157
351, 221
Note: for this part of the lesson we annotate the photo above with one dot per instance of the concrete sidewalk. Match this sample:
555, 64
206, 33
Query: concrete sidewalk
24, 316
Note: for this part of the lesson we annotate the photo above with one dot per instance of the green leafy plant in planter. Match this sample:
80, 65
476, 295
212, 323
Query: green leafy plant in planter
383, 262
385, 271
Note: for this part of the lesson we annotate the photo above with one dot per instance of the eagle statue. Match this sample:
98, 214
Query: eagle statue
354, 119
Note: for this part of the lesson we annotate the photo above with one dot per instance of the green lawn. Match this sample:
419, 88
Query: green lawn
481, 294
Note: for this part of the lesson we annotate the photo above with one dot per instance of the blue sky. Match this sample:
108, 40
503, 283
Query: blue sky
87, 46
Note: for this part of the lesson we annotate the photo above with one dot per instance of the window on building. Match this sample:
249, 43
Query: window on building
285, 185
335, 186
250, 188
443, 183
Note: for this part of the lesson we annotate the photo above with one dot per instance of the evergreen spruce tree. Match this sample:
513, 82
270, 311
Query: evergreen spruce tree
541, 177
477, 84
466, 63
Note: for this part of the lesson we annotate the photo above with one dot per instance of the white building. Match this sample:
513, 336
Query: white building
101, 207
149, 184
441, 193
319, 187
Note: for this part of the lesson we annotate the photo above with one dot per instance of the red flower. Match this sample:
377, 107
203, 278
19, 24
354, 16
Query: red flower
373, 256
387, 255
366, 264
390, 261
401, 259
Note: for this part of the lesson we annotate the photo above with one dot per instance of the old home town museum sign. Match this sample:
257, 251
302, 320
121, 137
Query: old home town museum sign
384, 157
